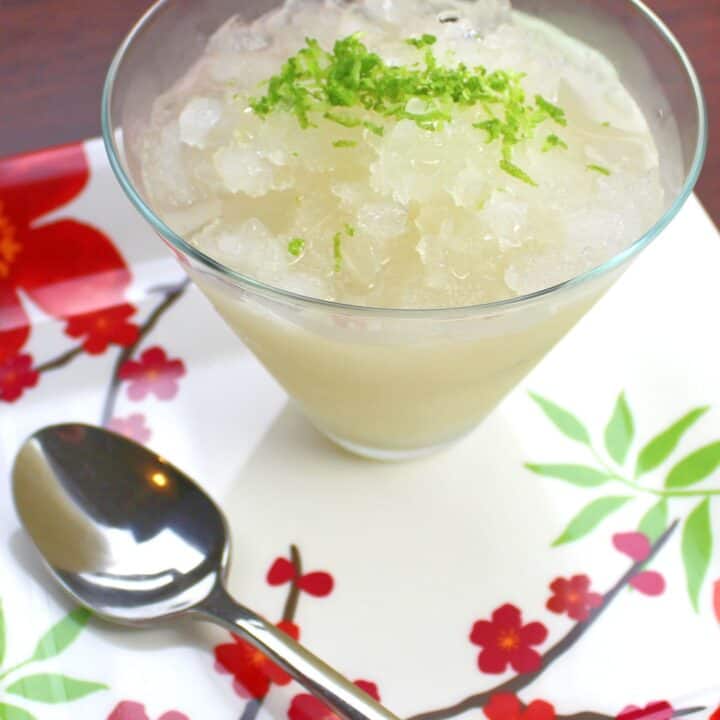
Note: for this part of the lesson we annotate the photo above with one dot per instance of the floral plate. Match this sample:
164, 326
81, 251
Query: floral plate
558, 563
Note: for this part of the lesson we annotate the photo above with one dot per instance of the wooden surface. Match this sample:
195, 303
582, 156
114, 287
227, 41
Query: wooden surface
54, 53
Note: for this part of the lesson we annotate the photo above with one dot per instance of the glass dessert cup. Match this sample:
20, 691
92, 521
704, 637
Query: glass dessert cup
398, 383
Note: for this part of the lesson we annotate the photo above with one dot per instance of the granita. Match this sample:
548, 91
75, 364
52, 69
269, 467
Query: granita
403, 154
407, 155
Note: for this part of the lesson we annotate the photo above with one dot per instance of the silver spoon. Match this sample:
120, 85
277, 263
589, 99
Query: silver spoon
136, 540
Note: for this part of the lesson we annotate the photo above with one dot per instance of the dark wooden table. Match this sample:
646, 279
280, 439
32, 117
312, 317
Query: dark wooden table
53, 56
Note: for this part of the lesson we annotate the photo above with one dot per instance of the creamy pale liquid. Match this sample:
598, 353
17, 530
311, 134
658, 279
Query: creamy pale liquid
392, 214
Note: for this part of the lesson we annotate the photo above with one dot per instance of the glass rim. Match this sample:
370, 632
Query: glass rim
237, 278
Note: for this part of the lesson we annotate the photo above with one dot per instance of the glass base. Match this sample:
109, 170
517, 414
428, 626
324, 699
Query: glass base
386, 455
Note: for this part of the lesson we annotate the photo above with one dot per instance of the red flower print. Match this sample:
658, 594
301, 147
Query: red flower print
69, 269
253, 673
104, 327
128, 710
716, 599
660, 710
317, 583
573, 597
635, 545
505, 706
153, 373
282, 571
308, 707
648, 582
715, 715
16, 375
132, 427
506, 641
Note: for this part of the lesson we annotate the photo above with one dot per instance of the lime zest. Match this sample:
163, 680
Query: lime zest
606, 124
344, 143
493, 128
349, 230
551, 110
599, 169
296, 247
337, 251
512, 169
553, 141
343, 120
329, 83
424, 40
373, 128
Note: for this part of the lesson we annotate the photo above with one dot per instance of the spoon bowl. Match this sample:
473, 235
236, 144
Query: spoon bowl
126, 533
136, 540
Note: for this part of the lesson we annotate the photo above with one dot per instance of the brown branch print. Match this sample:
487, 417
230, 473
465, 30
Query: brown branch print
518, 682
60, 361
172, 295
290, 609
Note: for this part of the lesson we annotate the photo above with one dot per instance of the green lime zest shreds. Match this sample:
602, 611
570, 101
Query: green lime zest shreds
296, 247
350, 83
424, 40
553, 141
512, 169
493, 128
344, 143
374, 128
343, 120
552, 111
337, 245
606, 124
599, 169
337, 251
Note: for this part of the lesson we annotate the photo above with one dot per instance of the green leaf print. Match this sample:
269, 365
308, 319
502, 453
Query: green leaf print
563, 420
51, 688
590, 517
12, 712
695, 467
620, 431
62, 634
697, 549
654, 521
660, 447
580, 475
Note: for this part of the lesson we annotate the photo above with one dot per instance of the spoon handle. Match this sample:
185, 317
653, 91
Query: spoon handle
344, 698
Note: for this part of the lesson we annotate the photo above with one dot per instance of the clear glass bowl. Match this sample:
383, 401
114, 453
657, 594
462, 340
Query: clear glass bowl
397, 383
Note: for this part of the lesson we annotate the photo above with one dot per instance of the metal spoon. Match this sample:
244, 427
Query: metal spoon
136, 540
